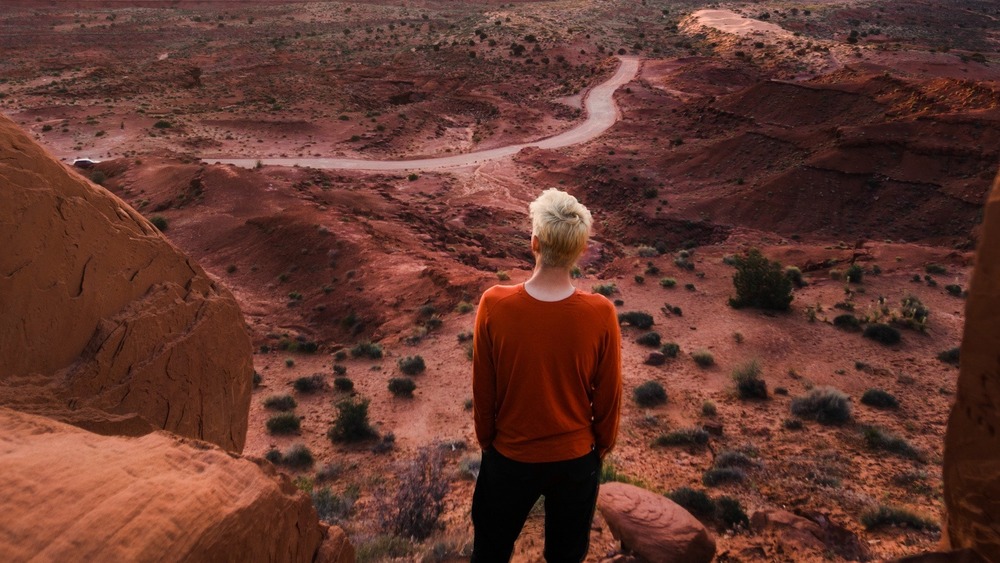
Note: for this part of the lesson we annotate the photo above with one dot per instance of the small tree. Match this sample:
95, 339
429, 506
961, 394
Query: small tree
351, 424
760, 283
418, 502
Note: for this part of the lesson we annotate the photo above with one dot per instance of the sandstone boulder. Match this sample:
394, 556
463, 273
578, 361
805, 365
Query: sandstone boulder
104, 324
653, 526
972, 441
71, 495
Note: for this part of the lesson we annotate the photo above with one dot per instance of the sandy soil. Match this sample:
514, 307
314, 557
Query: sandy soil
728, 21
819, 151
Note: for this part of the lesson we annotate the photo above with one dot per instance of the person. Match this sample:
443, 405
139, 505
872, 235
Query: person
546, 391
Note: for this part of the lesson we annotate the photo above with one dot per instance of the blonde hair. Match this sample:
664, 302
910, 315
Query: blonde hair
562, 225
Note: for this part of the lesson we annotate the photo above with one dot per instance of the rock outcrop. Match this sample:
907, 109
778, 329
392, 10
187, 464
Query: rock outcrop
104, 324
652, 526
72, 495
972, 442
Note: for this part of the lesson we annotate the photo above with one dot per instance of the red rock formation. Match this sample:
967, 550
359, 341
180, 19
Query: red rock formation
71, 495
972, 443
653, 526
103, 323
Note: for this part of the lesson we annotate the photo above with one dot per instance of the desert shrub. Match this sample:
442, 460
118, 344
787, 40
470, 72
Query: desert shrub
954, 289
950, 356
464, 307
733, 458
402, 386
936, 269
760, 283
339, 369
854, 274
639, 279
698, 503
883, 333
163, 124
385, 445
668, 282
607, 289
825, 405
383, 547
670, 349
708, 409
649, 339
683, 263
882, 440
273, 455
412, 365
650, 394
847, 322
502, 275
879, 398
160, 222
719, 475
683, 437
792, 424
794, 275
669, 309
749, 384
645, 251
883, 515
283, 423
280, 402
298, 457
333, 508
351, 424
914, 314
414, 509
367, 349
610, 474
330, 472
309, 384
638, 319
257, 379
703, 358
730, 513
343, 384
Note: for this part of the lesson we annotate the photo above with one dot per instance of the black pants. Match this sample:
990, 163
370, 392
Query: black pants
507, 489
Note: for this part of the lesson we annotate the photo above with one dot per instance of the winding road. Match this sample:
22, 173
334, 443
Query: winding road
602, 113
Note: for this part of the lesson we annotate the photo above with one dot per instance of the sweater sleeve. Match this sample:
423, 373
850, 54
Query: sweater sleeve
607, 395
484, 379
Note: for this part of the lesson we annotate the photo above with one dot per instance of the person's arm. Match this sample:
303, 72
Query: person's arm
607, 397
484, 379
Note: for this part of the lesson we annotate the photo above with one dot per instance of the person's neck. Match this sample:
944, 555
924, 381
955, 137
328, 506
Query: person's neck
550, 284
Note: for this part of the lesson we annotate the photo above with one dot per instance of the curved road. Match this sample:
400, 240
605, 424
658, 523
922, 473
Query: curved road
602, 113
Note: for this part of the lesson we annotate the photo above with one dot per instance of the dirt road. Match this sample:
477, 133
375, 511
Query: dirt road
602, 113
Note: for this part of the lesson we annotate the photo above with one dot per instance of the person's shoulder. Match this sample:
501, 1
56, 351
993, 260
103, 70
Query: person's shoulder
599, 303
499, 293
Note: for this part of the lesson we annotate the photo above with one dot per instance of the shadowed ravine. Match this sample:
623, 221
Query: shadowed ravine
602, 113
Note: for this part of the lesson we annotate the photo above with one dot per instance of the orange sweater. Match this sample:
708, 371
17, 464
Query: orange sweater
546, 376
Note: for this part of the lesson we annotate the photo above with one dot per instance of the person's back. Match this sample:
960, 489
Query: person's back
546, 393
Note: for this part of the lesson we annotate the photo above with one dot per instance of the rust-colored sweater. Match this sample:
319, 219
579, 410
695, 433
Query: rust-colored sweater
546, 379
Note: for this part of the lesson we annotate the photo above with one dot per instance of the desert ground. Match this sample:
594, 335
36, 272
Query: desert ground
836, 136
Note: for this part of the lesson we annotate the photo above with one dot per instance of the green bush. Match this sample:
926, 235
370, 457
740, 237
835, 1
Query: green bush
936, 269
825, 405
854, 274
883, 515
367, 349
343, 384
914, 314
708, 409
882, 440
733, 458
749, 384
160, 222
879, 398
339, 369
412, 365
794, 275
607, 289
698, 503
730, 513
298, 457
703, 358
402, 386
760, 283
950, 356
309, 384
847, 322
670, 349
163, 124
273, 455
383, 547
719, 475
650, 394
637, 319
333, 508
283, 423
882, 333
351, 424
683, 437
280, 402
668, 282
649, 339
954, 289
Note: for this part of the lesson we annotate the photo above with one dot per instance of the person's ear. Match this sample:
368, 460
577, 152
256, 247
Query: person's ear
536, 246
